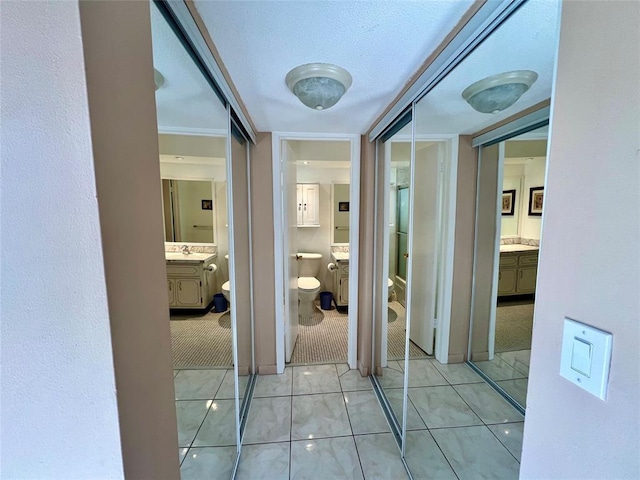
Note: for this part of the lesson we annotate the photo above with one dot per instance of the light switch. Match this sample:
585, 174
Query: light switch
581, 356
586, 357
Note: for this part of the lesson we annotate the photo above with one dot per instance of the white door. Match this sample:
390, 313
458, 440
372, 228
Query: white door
290, 217
424, 230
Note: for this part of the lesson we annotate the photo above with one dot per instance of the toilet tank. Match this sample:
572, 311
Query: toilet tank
309, 265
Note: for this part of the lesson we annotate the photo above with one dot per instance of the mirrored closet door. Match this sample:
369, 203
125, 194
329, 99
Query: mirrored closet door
394, 164
203, 165
470, 190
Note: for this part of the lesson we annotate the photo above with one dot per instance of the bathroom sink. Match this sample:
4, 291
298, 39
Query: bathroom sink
516, 247
191, 257
340, 256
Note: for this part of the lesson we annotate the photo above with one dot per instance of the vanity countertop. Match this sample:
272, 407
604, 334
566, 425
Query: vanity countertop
190, 258
340, 256
518, 248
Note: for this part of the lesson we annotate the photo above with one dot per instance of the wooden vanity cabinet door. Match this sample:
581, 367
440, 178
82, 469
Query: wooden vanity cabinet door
506, 281
527, 279
188, 292
172, 292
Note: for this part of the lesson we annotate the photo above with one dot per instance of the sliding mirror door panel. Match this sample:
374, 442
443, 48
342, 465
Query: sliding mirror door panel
193, 126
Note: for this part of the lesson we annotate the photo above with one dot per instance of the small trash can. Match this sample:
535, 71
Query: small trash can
325, 300
220, 303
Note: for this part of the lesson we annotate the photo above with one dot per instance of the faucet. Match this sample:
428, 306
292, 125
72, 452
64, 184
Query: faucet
185, 249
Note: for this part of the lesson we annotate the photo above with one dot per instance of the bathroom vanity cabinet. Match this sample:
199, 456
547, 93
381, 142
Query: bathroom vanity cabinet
518, 272
190, 283
308, 204
341, 279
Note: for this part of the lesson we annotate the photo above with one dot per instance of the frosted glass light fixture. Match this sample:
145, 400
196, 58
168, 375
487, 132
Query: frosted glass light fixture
318, 85
158, 79
498, 92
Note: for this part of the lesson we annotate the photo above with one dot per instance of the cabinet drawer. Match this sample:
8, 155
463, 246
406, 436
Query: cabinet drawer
528, 259
183, 270
508, 259
344, 269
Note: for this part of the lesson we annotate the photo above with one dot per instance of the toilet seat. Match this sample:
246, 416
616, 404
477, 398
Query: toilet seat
226, 287
389, 283
308, 284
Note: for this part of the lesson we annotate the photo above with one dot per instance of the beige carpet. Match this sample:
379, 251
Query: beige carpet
514, 325
201, 340
322, 337
397, 334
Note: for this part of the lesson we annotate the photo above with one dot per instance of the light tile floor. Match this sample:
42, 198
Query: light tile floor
323, 421
206, 422
510, 370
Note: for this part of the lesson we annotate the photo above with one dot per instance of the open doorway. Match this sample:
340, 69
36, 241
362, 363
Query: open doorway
316, 248
504, 358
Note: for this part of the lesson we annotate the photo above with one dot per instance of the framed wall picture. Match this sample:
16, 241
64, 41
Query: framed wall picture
343, 206
207, 204
536, 198
508, 202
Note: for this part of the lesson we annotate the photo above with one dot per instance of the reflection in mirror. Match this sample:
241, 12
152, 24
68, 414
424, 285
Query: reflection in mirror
187, 208
394, 157
447, 397
192, 126
501, 337
340, 194
241, 272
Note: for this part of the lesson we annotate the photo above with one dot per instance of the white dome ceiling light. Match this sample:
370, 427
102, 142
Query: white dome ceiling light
498, 92
158, 79
319, 85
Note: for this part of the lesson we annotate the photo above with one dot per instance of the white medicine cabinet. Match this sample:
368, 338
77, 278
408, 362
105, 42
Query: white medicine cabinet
308, 204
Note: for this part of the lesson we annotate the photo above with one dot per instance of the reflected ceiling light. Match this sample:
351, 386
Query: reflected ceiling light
318, 85
498, 92
158, 78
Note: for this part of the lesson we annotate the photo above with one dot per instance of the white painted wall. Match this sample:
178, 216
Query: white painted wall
589, 265
319, 239
509, 223
534, 173
59, 411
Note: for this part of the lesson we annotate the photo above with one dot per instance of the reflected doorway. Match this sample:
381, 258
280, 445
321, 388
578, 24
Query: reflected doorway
502, 352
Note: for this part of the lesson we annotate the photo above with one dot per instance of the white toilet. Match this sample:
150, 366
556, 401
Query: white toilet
226, 286
390, 288
308, 285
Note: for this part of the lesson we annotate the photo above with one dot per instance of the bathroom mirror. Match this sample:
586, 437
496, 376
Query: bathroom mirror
188, 208
340, 212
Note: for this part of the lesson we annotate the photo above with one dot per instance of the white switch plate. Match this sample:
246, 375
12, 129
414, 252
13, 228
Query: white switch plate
586, 357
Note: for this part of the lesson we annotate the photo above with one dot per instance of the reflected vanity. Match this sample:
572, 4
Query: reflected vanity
206, 247
448, 415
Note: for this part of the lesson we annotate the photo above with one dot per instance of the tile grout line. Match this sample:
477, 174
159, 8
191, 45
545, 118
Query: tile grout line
485, 424
203, 420
443, 454
353, 438
462, 426
291, 426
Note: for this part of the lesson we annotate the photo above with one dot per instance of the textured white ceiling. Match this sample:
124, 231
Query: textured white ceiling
381, 43
526, 41
186, 102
